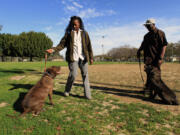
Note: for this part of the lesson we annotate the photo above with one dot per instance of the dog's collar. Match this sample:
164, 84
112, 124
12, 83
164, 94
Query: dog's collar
46, 73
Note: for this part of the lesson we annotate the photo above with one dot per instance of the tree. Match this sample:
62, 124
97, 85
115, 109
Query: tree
177, 49
1, 27
123, 53
7, 41
31, 44
36, 43
173, 49
1, 49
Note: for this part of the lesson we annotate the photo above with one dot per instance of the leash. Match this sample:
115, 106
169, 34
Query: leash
45, 61
141, 70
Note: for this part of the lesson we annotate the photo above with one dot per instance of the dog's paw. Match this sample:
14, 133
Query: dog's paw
51, 103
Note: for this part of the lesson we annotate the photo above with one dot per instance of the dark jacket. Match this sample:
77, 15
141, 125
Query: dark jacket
152, 46
68, 42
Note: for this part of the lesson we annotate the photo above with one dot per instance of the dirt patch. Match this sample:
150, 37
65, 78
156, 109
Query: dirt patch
3, 104
17, 77
123, 82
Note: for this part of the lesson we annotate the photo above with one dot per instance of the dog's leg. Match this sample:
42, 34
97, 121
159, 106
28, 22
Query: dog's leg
175, 102
25, 111
153, 94
159, 90
38, 109
50, 97
164, 99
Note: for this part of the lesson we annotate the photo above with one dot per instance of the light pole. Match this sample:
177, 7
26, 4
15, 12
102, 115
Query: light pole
102, 45
172, 53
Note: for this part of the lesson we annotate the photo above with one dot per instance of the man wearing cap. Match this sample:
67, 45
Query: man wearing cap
154, 47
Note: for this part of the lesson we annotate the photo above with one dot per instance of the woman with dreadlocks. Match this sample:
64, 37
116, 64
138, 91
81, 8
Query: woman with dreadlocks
79, 53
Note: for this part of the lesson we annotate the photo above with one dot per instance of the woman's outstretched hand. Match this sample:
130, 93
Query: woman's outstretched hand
49, 50
91, 61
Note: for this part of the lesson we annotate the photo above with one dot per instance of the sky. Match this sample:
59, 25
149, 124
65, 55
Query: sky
120, 22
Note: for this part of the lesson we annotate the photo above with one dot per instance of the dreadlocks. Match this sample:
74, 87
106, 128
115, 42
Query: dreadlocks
70, 26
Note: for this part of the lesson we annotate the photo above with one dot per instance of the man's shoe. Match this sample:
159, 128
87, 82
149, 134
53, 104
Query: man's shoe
66, 94
147, 91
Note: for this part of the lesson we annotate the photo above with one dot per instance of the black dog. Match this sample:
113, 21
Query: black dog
158, 87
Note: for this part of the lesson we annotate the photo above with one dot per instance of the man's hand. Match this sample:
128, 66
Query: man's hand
50, 51
160, 62
138, 54
91, 61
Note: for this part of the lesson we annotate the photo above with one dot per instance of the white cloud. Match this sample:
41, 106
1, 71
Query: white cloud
63, 1
90, 13
48, 28
71, 8
63, 21
74, 7
110, 12
171, 28
77, 5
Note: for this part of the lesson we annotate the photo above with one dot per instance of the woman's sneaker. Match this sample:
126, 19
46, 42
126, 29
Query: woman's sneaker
66, 94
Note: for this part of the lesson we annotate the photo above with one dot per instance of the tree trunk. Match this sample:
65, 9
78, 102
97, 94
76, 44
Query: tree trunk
31, 58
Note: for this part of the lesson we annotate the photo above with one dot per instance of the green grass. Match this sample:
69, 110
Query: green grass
75, 115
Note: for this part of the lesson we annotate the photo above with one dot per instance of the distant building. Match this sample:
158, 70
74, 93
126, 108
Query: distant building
60, 59
104, 58
175, 58
56, 57
99, 58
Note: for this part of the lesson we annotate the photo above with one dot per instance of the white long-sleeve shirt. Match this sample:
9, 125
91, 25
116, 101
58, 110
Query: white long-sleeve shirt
77, 48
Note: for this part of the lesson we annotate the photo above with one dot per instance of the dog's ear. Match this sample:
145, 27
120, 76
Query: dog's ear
56, 69
49, 70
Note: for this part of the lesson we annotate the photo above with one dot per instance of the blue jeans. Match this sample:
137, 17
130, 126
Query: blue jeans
73, 67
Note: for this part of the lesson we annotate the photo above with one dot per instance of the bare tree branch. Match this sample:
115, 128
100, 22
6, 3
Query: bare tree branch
1, 27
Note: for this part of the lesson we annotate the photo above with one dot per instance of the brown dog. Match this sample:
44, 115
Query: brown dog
35, 98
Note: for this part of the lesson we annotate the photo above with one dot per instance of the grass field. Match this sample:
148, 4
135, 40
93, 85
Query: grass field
117, 107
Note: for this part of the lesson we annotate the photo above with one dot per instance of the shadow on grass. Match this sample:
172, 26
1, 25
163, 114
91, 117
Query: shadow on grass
17, 86
58, 93
121, 92
17, 105
62, 94
5, 72
109, 84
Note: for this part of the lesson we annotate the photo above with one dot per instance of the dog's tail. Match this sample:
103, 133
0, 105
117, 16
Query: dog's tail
175, 102
170, 95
